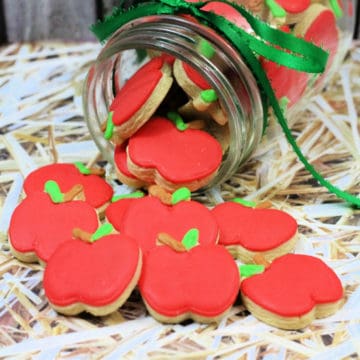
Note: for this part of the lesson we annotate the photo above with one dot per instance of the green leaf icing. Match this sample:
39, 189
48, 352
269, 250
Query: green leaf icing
133, 195
208, 96
52, 188
109, 127
177, 120
82, 168
179, 195
250, 270
191, 239
275, 8
206, 49
244, 202
284, 102
336, 8
102, 231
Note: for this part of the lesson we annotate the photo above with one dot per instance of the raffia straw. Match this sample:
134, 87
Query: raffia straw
41, 122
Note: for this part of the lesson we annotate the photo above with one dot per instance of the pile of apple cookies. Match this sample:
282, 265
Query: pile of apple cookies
153, 142
186, 260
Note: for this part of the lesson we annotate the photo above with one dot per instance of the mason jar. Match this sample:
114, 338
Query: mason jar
238, 91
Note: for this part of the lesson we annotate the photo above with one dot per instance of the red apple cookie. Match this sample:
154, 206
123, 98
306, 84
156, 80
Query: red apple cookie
318, 25
122, 171
97, 192
119, 205
247, 231
146, 217
138, 99
203, 97
287, 83
160, 153
92, 275
192, 282
293, 291
39, 225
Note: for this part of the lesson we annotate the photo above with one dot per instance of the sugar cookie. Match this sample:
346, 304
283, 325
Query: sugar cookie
160, 153
97, 192
39, 225
293, 291
194, 282
146, 217
96, 276
138, 99
247, 231
203, 97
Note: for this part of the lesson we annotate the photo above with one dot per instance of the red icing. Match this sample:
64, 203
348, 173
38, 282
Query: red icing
293, 285
145, 218
38, 225
228, 12
136, 91
78, 270
195, 77
203, 281
294, 6
154, 65
253, 229
132, 97
323, 32
97, 191
286, 82
115, 211
179, 157
121, 161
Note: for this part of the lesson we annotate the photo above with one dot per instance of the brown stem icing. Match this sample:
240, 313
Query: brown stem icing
75, 191
82, 235
264, 205
97, 171
259, 259
168, 240
159, 192
196, 124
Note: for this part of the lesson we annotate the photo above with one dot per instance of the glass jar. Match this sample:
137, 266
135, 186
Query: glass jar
134, 43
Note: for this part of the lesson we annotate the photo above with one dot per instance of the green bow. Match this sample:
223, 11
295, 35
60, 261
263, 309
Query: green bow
272, 44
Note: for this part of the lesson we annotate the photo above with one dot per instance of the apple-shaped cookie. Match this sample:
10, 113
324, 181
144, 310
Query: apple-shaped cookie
203, 97
146, 217
138, 99
96, 190
119, 205
122, 171
247, 231
293, 291
287, 83
39, 225
200, 283
160, 153
319, 26
93, 276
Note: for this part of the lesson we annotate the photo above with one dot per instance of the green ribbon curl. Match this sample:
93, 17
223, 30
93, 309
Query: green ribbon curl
265, 41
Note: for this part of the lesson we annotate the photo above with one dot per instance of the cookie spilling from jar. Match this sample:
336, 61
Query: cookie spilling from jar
188, 262
160, 122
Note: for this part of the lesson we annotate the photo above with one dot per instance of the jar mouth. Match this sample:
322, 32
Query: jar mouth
132, 45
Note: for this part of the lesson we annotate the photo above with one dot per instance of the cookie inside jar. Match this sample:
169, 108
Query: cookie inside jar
193, 88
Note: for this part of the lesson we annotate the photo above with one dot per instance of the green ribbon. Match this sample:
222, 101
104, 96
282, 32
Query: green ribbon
272, 44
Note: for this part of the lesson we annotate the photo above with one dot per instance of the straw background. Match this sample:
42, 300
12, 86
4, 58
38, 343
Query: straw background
41, 122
